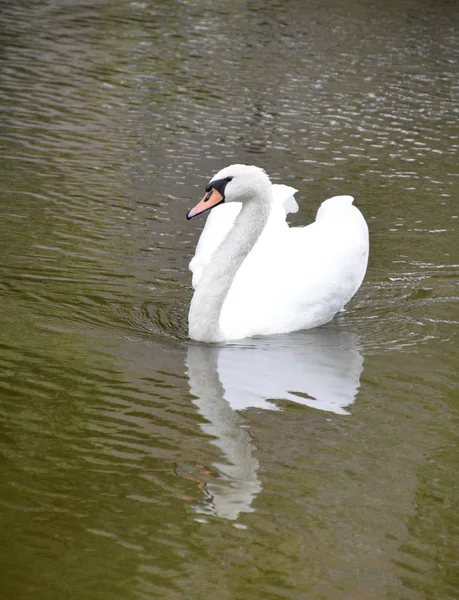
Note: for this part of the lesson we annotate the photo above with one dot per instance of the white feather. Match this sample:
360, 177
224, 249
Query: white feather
221, 219
310, 272
284, 280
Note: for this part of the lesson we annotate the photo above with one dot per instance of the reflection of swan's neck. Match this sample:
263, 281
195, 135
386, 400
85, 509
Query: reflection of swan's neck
218, 276
233, 491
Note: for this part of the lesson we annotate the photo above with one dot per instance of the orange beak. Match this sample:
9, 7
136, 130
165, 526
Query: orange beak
210, 200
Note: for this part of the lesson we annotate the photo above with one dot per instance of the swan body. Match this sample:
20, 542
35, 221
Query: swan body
255, 275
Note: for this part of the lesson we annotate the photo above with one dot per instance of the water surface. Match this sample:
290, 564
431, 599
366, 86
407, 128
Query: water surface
139, 465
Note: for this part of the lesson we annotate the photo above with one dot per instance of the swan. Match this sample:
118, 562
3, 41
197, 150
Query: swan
254, 275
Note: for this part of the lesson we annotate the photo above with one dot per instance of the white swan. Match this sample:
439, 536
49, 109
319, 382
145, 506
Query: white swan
254, 275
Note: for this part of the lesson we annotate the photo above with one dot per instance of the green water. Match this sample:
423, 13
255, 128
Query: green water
138, 465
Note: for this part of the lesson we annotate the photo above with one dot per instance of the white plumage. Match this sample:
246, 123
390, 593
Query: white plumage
221, 220
255, 275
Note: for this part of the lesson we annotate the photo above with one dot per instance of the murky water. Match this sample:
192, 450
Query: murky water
138, 465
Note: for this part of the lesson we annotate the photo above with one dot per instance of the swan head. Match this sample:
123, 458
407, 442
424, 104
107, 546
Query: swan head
236, 183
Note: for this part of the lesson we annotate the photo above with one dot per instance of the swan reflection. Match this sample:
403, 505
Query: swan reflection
319, 368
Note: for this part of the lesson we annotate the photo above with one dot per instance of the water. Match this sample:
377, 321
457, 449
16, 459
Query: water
138, 465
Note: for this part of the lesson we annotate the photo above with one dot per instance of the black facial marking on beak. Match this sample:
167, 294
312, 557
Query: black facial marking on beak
219, 185
215, 195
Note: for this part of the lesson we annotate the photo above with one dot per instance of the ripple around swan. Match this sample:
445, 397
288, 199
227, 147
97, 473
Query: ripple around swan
406, 310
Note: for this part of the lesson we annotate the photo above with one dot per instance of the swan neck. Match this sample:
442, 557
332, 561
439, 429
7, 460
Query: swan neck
218, 276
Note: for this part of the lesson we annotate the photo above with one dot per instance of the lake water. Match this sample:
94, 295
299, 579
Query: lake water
138, 465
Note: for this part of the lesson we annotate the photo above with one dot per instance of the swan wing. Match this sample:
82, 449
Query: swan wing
298, 278
219, 222
285, 196
221, 219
